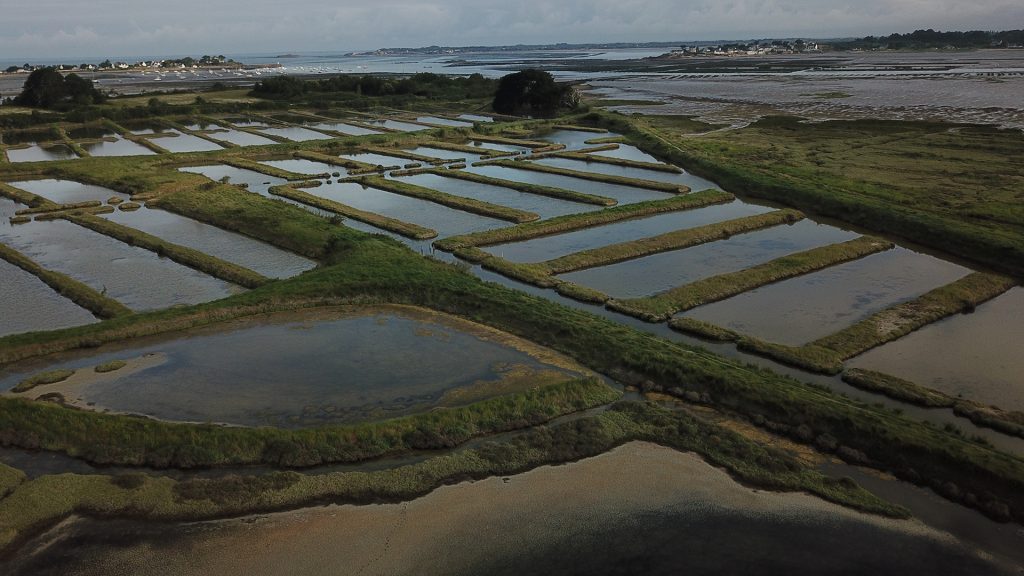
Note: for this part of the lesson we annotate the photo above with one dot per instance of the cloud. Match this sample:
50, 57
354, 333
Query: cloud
53, 28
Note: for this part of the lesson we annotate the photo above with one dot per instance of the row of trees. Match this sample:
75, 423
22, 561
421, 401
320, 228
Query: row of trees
935, 39
423, 84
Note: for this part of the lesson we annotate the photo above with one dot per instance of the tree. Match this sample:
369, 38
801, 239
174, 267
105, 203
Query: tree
530, 91
47, 88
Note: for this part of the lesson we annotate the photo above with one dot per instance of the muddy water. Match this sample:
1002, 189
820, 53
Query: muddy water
661, 272
28, 305
37, 153
241, 138
542, 205
639, 509
120, 147
67, 191
344, 367
296, 134
185, 143
809, 307
345, 128
548, 247
624, 194
694, 182
135, 277
242, 250
444, 122
446, 221
975, 355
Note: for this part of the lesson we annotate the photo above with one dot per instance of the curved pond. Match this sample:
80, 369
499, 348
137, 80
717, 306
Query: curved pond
308, 369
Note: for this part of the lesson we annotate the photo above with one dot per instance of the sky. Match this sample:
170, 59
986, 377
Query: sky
108, 28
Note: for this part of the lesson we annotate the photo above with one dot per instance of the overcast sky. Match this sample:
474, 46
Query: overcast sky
101, 28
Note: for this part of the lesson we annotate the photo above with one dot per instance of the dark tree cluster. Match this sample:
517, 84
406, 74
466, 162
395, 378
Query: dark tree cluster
532, 92
48, 88
920, 39
423, 84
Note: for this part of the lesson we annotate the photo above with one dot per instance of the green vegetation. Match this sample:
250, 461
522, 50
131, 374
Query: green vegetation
72, 289
452, 201
383, 222
48, 88
375, 89
571, 222
211, 265
400, 153
10, 478
549, 191
31, 507
482, 151
112, 366
676, 240
339, 161
609, 179
952, 187
578, 128
108, 439
42, 379
662, 306
898, 320
589, 157
931, 39
989, 416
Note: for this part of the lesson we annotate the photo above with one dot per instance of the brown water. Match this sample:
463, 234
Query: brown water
664, 271
975, 355
815, 305
639, 509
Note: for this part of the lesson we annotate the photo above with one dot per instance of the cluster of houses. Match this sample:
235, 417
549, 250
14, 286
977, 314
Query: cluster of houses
751, 49
180, 63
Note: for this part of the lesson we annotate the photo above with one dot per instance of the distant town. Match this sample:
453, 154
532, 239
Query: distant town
108, 65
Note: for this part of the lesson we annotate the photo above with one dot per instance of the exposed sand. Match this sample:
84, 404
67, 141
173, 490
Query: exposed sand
463, 528
76, 385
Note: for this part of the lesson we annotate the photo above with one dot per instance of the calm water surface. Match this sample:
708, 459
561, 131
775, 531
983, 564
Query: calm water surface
67, 191
694, 182
542, 205
808, 307
185, 143
624, 194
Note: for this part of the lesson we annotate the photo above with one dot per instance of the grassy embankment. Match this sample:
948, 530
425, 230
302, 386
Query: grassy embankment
594, 176
661, 307
247, 164
952, 187
31, 506
450, 200
373, 269
211, 265
482, 151
549, 191
406, 229
401, 153
827, 354
346, 163
1008, 422
624, 162
42, 379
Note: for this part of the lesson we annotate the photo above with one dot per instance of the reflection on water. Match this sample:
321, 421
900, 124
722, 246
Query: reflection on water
573, 139
135, 277
548, 247
446, 154
344, 128
119, 147
255, 181
28, 305
694, 182
808, 307
37, 153
627, 152
976, 355
241, 138
357, 366
624, 194
378, 159
444, 122
446, 221
302, 166
185, 143
661, 272
67, 191
296, 133
542, 205
396, 125
242, 250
